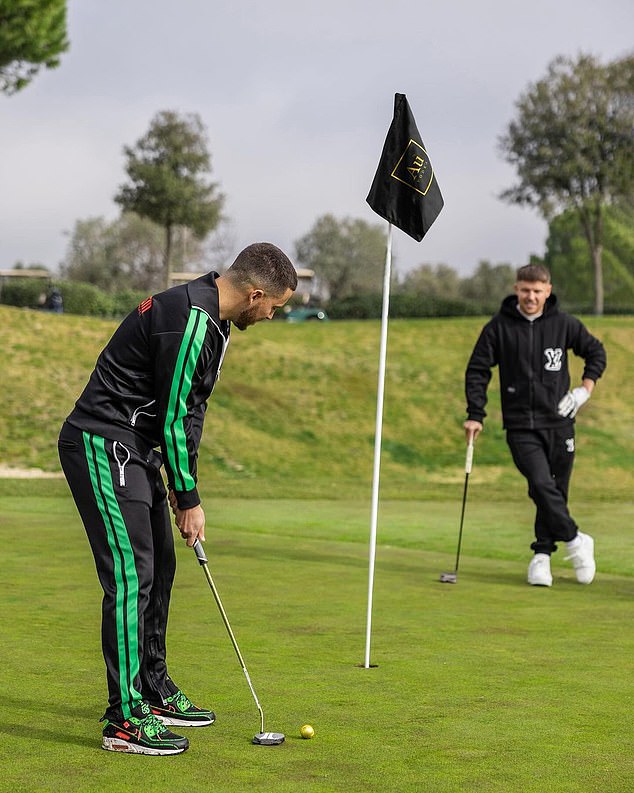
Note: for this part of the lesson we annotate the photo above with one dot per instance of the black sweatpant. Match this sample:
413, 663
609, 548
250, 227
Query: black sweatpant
122, 502
545, 458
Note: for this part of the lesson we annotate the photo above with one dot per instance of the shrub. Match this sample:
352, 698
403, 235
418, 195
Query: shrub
366, 305
369, 305
24, 292
80, 298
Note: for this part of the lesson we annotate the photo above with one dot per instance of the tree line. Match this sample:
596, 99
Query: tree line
111, 267
439, 290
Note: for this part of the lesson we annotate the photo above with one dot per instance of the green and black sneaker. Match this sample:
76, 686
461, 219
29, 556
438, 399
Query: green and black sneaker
142, 733
177, 710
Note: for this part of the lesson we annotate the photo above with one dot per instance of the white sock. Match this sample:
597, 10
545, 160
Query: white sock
574, 543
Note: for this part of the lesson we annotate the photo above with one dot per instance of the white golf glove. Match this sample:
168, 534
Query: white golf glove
572, 401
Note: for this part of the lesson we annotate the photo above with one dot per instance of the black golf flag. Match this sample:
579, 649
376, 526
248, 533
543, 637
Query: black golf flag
405, 191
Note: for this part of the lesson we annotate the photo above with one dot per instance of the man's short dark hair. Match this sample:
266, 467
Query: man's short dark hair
263, 266
532, 273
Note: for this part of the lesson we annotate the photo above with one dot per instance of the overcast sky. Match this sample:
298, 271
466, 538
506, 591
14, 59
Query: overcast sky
297, 97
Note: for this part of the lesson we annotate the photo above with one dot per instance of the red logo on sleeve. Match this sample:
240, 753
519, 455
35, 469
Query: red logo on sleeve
146, 305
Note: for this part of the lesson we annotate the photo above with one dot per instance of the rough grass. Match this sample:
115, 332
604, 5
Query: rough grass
294, 412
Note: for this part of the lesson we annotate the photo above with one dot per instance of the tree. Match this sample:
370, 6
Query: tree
568, 258
32, 35
33, 266
571, 145
125, 254
348, 255
490, 284
166, 169
86, 256
439, 281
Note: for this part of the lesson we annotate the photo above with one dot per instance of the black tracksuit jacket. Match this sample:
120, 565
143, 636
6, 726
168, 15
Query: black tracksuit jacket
533, 363
151, 383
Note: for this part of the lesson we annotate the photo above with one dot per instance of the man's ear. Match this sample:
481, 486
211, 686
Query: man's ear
255, 295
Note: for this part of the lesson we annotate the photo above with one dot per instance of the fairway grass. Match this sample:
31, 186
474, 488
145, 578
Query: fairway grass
488, 685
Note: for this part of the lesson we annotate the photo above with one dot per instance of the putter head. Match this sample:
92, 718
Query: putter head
268, 738
449, 578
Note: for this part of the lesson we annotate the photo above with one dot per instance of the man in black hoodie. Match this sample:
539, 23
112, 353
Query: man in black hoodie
529, 339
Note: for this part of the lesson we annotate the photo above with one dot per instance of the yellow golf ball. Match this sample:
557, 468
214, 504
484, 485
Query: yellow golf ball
306, 731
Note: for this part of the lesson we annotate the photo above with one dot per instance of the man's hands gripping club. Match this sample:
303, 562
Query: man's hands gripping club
190, 522
472, 429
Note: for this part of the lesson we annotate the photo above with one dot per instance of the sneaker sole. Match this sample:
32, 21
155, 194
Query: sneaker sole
170, 721
119, 745
587, 576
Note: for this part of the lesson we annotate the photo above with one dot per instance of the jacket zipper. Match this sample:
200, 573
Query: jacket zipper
140, 412
531, 380
121, 464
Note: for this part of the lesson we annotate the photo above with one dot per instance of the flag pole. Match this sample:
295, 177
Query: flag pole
377, 437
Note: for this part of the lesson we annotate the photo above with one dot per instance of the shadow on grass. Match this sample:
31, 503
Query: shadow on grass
621, 587
54, 735
52, 708
29, 730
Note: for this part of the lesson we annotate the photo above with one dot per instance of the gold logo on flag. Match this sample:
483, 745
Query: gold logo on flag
414, 168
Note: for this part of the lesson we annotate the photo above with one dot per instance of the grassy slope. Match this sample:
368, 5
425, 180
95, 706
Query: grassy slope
293, 414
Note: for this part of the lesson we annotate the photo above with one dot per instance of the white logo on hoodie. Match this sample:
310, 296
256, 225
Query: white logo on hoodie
553, 359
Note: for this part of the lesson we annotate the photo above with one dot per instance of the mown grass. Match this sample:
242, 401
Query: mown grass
489, 685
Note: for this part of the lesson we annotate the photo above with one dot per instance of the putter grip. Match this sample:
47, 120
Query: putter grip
199, 551
469, 460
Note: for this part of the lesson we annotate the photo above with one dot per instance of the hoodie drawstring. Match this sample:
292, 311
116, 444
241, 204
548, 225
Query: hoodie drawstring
120, 464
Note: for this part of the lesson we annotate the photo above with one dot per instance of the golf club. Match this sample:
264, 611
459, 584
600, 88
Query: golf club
452, 578
262, 738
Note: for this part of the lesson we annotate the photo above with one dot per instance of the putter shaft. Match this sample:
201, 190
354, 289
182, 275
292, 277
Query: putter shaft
467, 470
202, 559
451, 578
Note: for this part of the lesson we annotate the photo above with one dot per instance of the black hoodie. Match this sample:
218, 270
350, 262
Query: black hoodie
533, 362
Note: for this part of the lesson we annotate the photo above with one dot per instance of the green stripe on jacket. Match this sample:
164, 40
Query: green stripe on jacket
174, 430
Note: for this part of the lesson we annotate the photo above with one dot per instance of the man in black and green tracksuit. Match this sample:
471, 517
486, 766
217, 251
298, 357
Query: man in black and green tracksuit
529, 339
149, 392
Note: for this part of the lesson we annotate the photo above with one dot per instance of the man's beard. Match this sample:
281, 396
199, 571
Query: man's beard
246, 318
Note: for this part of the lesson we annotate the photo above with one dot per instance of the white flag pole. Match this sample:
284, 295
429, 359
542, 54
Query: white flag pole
377, 437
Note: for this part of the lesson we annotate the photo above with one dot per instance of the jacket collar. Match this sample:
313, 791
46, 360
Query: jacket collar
203, 293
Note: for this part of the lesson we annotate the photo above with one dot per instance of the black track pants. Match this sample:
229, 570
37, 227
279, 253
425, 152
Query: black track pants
121, 498
545, 458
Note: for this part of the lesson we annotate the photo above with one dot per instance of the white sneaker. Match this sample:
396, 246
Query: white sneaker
582, 558
539, 570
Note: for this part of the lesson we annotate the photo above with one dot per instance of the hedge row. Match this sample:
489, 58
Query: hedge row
81, 298
78, 298
402, 305
410, 305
